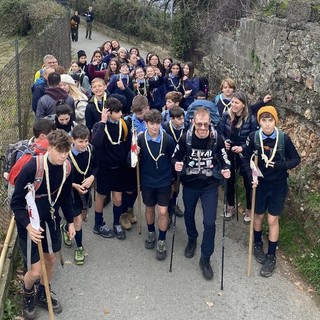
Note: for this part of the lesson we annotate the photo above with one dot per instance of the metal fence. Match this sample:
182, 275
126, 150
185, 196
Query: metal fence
20, 59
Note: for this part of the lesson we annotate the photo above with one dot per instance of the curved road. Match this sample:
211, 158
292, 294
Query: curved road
122, 280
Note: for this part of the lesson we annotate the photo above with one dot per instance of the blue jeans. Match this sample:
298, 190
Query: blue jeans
209, 202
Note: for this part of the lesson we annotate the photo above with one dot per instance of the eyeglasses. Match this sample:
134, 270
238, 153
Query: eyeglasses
200, 125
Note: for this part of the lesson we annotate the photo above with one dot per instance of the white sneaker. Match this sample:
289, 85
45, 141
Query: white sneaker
230, 213
247, 216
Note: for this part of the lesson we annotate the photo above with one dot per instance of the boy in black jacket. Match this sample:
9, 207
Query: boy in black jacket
112, 141
54, 192
276, 154
156, 148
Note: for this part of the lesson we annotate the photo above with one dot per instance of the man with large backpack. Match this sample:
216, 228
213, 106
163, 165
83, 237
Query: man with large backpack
199, 156
53, 191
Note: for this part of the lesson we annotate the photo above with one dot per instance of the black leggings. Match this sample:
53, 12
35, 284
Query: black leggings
236, 164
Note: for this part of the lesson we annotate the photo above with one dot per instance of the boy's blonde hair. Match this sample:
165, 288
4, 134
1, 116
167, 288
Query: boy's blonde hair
229, 82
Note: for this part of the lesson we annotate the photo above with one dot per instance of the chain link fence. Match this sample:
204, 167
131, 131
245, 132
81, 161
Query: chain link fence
20, 59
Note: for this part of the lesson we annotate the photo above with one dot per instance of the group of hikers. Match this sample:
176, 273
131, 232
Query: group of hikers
98, 122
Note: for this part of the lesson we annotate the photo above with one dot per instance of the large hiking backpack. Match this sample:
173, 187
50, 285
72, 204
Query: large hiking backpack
39, 172
204, 85
214, 114
13, 153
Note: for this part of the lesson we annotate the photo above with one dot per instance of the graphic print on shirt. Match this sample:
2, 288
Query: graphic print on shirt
200, 162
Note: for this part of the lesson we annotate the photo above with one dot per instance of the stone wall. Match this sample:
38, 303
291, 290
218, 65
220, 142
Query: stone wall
280, 57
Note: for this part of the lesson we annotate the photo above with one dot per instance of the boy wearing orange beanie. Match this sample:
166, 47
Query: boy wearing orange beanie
276, 154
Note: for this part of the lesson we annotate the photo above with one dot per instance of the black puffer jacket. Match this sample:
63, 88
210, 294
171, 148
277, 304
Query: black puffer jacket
238, 136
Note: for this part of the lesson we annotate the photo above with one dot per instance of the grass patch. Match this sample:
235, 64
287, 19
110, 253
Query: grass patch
304, 255
293, 240
12, 305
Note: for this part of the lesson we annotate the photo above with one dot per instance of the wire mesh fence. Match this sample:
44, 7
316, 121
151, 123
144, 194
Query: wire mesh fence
20, 59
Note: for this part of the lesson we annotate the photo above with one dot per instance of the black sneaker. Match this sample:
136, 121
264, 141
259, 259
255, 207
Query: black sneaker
190, 248
268, 266
29, 308
150, 241
177, 211
206, 268
119, 232
258, 252
103, 230
161, 250
41, 301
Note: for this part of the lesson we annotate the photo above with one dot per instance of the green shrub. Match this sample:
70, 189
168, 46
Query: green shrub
20, 17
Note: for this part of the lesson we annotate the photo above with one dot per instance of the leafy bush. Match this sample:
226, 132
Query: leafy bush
20, 17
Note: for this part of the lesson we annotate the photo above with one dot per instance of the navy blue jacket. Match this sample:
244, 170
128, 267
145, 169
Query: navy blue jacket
151, 176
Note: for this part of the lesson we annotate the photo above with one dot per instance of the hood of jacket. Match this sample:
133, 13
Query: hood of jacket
57, 93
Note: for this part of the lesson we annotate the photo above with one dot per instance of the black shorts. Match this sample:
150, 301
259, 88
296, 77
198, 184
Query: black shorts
271, 198
153, 196
55, 234
80, 202
110, 180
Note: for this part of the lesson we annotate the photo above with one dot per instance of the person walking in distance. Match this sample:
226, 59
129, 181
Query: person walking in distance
199, 155
89, 15
74, 26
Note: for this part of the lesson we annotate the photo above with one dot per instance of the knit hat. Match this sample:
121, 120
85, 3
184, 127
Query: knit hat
66, 78
81, 53
271, 110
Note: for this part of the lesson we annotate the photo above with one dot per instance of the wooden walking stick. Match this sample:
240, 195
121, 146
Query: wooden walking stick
225, 207
45, 280
35, 222
253, 204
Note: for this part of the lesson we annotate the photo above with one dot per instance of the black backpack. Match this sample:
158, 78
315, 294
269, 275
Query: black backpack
204, 85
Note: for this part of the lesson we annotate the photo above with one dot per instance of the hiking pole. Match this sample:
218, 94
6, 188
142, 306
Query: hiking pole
35, 223
139, 197
235, 185
253, 204
45, 280
174, 220
225, 205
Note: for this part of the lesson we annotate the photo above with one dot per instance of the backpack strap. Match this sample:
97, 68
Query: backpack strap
39, 172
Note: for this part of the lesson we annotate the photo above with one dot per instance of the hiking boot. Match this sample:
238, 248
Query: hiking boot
258, 252
230, 213
29, 308
268, 266
206, 268
119, 232
161, 250
79, 256
125, 222
131, 216
190, 248
103, 230
247, 216
150, 241
177, 211
42, 302
66, 240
